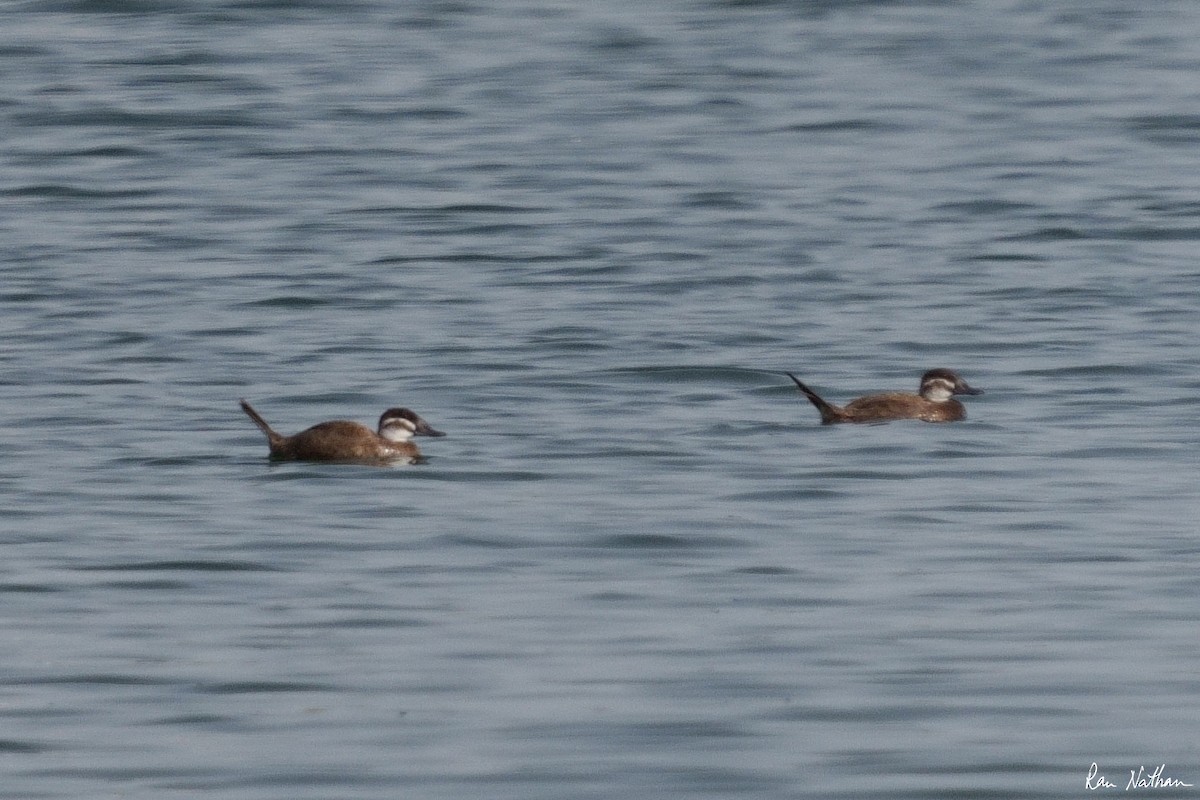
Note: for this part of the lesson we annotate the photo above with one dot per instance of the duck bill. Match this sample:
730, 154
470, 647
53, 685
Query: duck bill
965, 389
423, 429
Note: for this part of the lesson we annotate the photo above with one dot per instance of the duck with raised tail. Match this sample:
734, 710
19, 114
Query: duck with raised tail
934, 402
343, 440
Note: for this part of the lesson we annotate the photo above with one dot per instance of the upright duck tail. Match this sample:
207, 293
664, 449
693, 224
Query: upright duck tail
829, 414
272, 436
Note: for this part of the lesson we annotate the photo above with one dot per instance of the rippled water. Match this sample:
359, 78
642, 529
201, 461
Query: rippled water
586, 240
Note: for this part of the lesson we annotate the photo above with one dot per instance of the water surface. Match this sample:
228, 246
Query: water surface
586, 241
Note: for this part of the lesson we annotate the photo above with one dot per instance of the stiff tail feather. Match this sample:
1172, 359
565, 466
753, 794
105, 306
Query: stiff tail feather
272, 436
828, 413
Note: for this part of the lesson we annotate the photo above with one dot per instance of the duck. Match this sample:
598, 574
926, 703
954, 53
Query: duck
344, 440
933, 402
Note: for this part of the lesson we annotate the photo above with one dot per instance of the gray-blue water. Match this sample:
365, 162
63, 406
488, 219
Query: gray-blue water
586, 240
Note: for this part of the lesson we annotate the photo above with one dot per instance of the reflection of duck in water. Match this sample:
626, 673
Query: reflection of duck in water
933, 403
342, 440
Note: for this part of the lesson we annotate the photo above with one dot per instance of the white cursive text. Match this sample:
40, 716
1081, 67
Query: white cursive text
1139, 778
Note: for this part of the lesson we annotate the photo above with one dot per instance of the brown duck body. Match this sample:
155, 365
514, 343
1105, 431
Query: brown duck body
344, 440
899, 405
933, 403
339, 440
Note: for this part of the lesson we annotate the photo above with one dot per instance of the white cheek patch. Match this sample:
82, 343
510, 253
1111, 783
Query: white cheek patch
399, 430
939, 391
